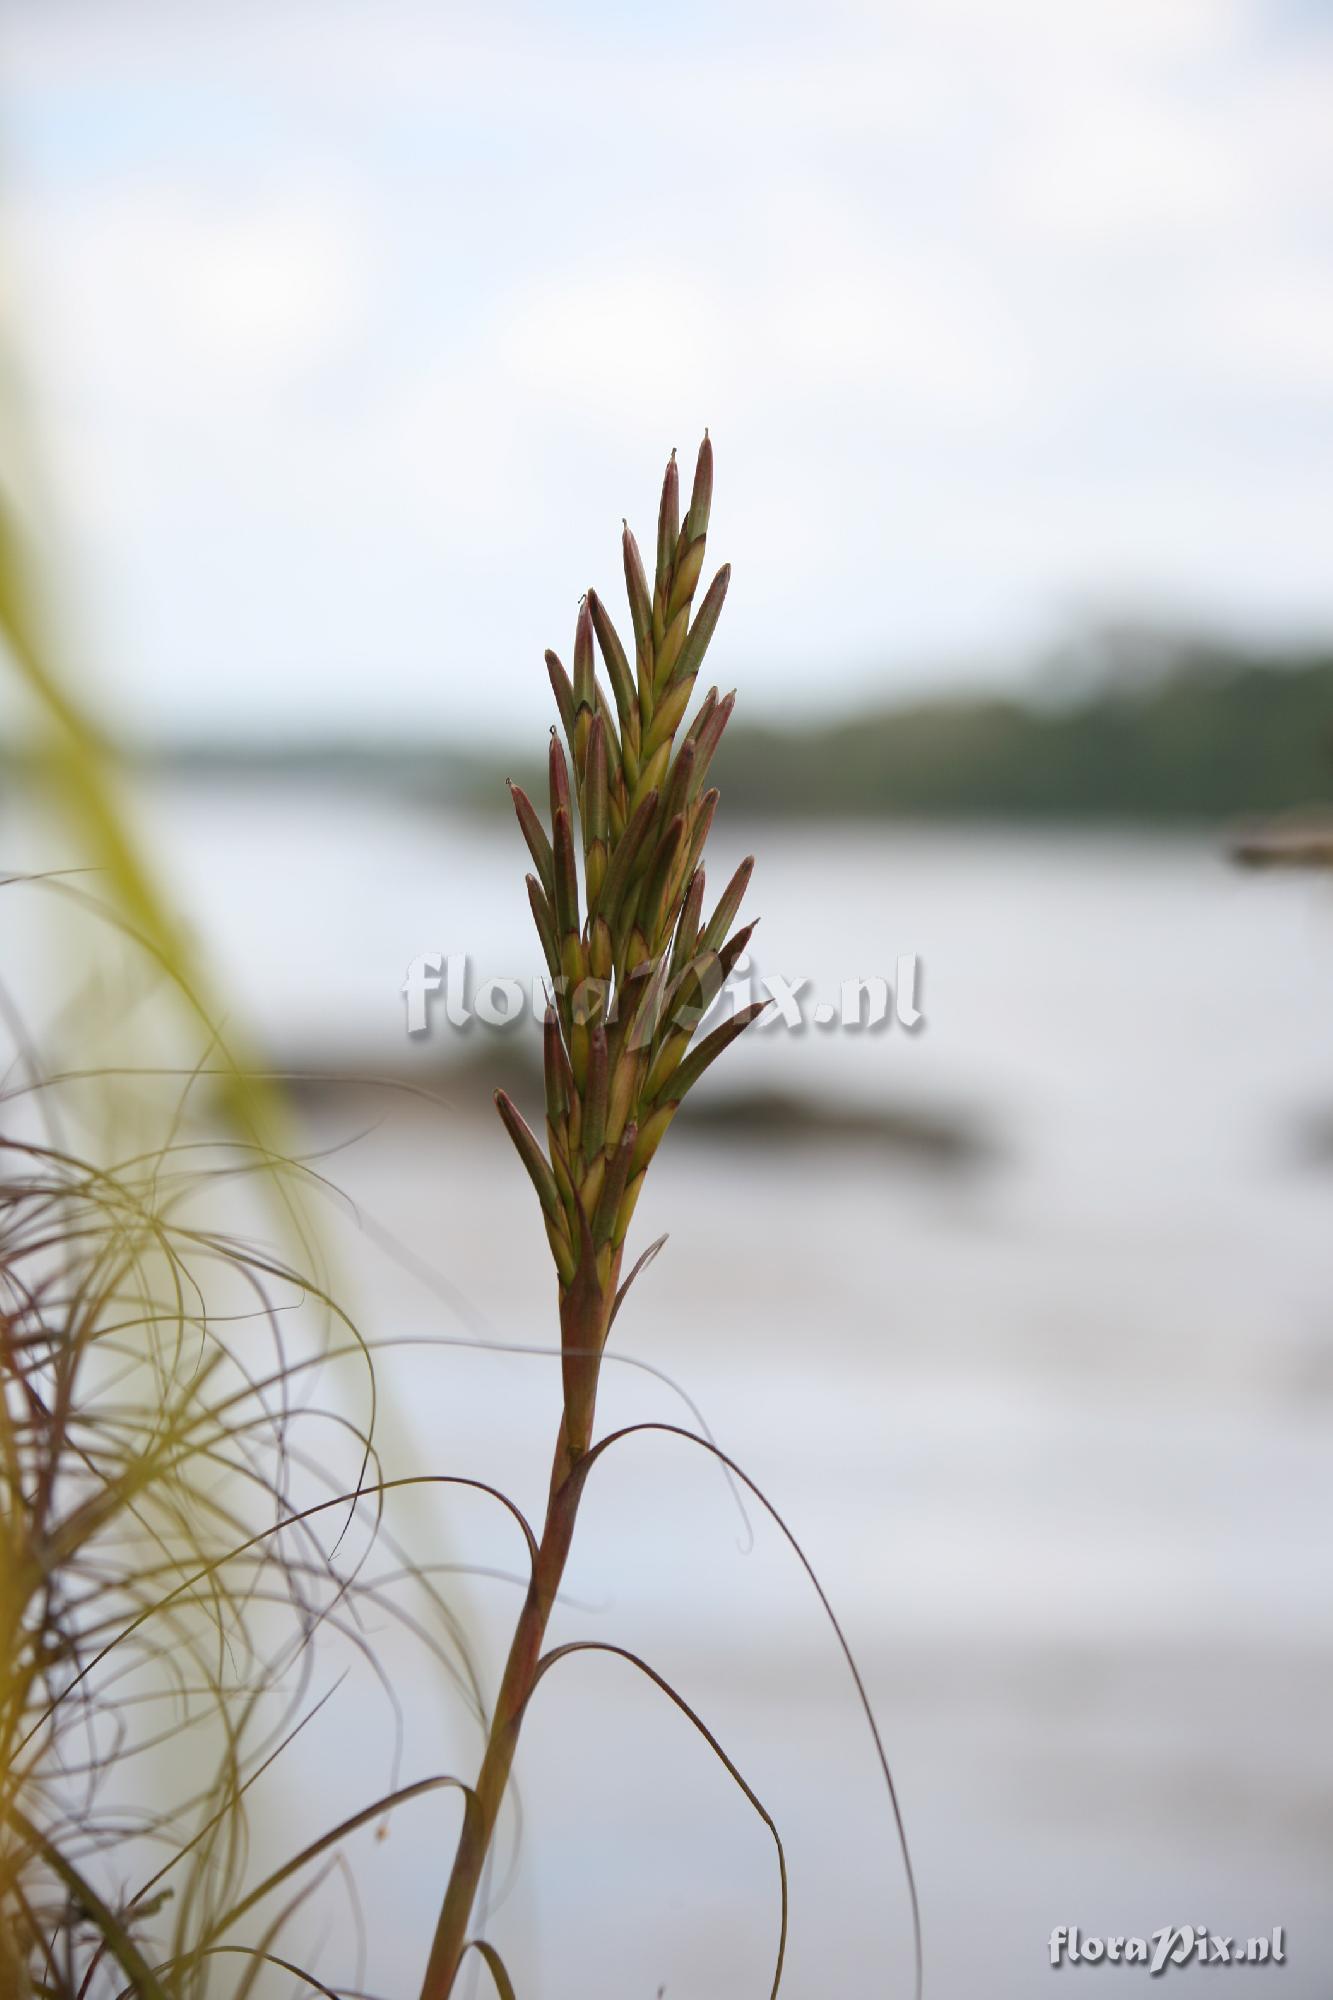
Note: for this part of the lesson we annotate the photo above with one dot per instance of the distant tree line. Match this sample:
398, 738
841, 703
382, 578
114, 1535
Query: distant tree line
1122, 727
1198, 733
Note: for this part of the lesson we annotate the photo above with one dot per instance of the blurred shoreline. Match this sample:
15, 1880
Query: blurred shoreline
1126, 728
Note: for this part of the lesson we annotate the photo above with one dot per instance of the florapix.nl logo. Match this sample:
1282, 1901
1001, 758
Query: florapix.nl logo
1168, 1946
446, 987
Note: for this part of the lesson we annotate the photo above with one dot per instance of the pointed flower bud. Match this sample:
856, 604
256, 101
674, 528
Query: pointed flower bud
640, 603
705, 624
689, 564
539, 847
702, 716
711, 1047
701, 496
585, 695
700, 826
667, 719
687, 929
544, 918
532, 1156
680, 783
566, 878
669, 651
710, 736
628, 848
651, 910
730, 953
728, 903
558, 771
613, 654
595, 813
555, 1069
668, 528
564, 693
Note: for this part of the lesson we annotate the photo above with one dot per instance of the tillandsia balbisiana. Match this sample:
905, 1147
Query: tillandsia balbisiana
634, 967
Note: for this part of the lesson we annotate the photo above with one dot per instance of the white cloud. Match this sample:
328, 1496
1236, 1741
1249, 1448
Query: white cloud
358, 329
1127, 166
1275, 335
151, 282
622, 338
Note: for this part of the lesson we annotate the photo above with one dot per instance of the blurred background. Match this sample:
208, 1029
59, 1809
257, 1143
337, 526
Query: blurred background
344, 336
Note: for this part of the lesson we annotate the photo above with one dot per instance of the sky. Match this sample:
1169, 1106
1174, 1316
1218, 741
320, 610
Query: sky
346, 335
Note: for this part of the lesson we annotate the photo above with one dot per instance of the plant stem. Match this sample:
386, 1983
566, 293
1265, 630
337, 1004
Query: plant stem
585, 1311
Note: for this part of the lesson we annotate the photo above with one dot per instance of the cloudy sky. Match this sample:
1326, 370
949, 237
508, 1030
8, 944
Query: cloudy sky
351, 332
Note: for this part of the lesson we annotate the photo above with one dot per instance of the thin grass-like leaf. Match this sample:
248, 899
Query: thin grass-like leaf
494, 1964
600, 1450
549, 1660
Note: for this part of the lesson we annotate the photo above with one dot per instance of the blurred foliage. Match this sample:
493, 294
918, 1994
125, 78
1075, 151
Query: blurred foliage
168, 1537
1200, 735
78, 771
